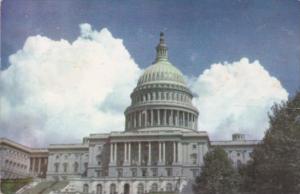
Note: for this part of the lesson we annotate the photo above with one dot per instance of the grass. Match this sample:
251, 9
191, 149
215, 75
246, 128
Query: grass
163, 192
10, 186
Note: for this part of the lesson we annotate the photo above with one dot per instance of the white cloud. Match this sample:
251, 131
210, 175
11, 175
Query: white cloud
236, 97
60, 91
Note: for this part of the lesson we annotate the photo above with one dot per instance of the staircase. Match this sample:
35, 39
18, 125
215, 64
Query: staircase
45, 187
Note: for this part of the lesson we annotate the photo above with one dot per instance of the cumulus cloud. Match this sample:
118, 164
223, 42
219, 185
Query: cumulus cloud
236, 97
60, 91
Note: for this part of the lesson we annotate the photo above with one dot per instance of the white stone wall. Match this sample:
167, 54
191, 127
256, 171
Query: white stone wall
239, 154
69, 158
78, 185
14, 163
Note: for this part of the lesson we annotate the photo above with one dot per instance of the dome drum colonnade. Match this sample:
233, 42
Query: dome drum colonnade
161, 98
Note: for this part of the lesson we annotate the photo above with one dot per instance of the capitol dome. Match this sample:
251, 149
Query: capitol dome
162, 72
161, 100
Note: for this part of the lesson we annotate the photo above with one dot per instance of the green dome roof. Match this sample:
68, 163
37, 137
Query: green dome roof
162, 71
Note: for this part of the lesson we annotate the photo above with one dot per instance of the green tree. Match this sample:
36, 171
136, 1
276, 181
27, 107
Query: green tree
275, 165
218, 176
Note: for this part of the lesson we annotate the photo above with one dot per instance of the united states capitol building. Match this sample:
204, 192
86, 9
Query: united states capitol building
161, 148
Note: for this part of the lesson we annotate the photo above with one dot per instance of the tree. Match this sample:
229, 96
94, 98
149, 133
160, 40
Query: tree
218, 175
275, 165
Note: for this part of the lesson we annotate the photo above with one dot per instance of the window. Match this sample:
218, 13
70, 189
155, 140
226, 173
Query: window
140, 188
238, 154
154, 187
98, 159
169, 171
195, 172
194, 158
85, 188
85, 169
65, 167
144, 172
194, 146
76, 167
56, 167
154, 171
169, 187
113, 188
120, 172
98, 173
239, 163
99, 189
133, 172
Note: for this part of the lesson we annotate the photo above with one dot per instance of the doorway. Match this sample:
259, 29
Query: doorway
126, 188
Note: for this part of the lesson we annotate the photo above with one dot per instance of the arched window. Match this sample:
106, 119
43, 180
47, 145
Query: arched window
76, 167
56, 167
113, 188
85, 188
99, 189
169, 187
140, 188
65, 167
238, 163
154, 187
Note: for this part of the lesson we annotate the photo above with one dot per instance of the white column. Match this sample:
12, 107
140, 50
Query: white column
146, 118
171, 118
159, 152
33, 165
115, 156
140, 119
140, 156
201, 154
39, 166
174, 152
149, 153
111, 153
152, 119
134, 120
165, 117
125, 152
158, 116
177, 118
179, 150
164, 152
129, 153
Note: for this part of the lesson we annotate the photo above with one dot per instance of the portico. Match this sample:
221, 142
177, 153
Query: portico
154, 151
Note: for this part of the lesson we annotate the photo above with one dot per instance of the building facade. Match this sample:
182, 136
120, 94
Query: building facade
161, 148
19, 161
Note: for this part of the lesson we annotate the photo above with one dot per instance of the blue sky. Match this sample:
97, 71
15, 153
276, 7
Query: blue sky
198, 33
68, 52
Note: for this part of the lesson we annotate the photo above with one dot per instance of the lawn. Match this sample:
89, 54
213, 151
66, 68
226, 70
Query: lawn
10, 186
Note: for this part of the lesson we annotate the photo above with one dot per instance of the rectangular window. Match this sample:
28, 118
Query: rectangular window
154, 171
133, 171
144, 172
98, 173
169, 171
120, 172
195, 172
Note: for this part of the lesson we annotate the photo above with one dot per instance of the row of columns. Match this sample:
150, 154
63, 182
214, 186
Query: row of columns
161, 96
161, 117
177, 149
37, 162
